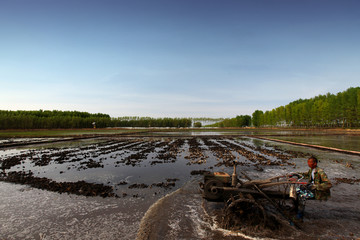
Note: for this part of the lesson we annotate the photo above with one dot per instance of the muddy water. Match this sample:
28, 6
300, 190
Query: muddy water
157, 189
346, 142
191, 217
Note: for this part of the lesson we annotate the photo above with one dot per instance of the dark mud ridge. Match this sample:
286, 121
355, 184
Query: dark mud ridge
165, 185
347, 180
79, 188
199, 172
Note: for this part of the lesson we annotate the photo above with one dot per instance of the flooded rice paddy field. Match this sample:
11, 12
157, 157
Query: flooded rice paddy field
349, 142
147, 188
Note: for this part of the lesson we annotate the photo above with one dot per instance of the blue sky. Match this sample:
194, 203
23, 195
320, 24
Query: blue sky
175, 58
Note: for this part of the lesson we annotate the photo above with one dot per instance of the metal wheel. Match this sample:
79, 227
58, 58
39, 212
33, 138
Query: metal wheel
212, 189
243, 211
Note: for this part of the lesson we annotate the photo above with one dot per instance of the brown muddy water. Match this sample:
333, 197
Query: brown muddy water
147, 188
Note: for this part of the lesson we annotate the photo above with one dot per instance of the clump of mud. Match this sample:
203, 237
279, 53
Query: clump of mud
79, 188
138, 185
199, 172
346, 180
170, 182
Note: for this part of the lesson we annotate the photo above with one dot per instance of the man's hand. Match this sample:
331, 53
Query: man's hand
292, 174
311, 186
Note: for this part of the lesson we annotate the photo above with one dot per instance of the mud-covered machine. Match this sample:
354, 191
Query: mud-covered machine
244, 197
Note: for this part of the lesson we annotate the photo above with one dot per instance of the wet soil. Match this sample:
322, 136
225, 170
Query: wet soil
149, 168
89, 157
78, 188
133, 152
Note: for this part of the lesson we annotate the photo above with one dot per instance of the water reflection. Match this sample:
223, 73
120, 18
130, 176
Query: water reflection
322, 138
346, 142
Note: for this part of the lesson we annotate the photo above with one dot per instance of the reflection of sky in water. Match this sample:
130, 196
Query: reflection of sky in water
144, 172
16, 140
347, 142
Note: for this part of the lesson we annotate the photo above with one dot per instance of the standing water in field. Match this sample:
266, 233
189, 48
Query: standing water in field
123, 188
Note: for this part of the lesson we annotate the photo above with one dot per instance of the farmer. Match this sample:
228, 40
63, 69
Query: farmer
319, 183
318, 187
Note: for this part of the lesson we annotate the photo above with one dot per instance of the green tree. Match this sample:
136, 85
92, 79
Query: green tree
197, 124
340, 110
257, 118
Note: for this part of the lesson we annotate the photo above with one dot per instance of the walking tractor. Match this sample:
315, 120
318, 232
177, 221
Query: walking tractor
258, 201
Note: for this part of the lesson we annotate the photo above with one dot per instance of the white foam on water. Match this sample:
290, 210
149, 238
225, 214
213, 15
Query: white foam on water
38, 214
193, 213
174, 224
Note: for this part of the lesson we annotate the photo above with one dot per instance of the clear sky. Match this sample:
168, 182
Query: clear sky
175, 58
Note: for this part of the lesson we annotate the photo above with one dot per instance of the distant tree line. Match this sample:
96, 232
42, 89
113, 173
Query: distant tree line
51, 119
205, 119
323, 111
238, 121
151, 122
73, 119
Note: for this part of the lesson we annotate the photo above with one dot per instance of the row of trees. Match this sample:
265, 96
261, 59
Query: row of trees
238, 121
323, 111
151, 122
74, 119
330, 110
51, 119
